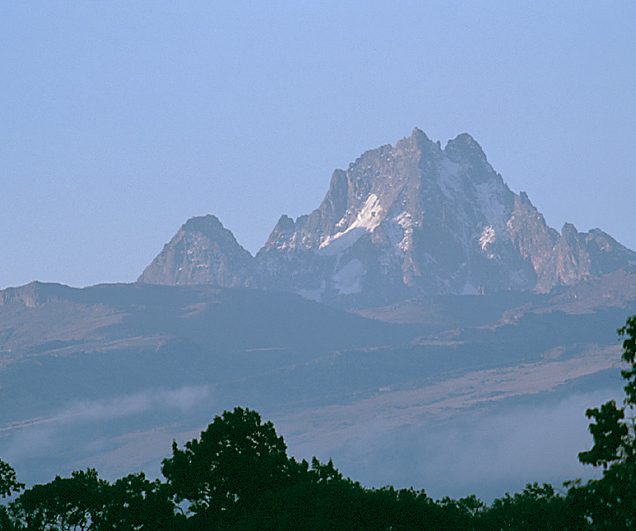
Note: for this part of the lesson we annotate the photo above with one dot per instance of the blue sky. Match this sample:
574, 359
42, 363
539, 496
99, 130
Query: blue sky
120, 120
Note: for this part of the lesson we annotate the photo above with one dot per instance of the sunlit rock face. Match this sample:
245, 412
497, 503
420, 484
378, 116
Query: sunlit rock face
402, 221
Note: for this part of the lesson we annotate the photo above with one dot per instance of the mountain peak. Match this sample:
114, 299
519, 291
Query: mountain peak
203, 251
464, 146
419, 135
205, 224
417, 141
569, 229
403, 220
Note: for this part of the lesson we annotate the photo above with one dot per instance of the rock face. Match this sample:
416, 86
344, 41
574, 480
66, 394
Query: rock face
202, 252
402, 221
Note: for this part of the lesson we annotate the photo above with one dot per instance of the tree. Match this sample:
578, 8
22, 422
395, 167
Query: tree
610, 503
236, 459
8, 485
67, 504
8, 481
133, 503
612, 428
609, 433
537, 507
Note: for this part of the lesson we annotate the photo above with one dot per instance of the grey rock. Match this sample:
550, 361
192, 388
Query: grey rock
202, 252
403, 221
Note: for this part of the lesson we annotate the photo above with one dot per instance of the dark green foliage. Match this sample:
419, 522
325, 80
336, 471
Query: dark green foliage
8, 481
84, 501
610, 502
629, 356
237, 459
537, 507
238, 476
133, 502
63, 504
613, 426
608, 432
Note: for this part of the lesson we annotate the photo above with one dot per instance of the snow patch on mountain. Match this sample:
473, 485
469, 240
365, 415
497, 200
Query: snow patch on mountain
369, 217
487, 238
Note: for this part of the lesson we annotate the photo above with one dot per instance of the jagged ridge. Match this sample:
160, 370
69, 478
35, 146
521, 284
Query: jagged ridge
401, 221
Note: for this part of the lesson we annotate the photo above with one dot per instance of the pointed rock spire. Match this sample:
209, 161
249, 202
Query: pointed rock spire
202, 252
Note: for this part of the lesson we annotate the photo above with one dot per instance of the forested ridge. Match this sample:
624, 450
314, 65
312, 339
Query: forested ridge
237, 475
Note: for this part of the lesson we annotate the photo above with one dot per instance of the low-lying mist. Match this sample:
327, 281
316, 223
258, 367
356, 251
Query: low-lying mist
485, 451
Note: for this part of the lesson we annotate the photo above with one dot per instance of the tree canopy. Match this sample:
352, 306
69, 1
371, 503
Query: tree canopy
8, 481
236, 459
610, 502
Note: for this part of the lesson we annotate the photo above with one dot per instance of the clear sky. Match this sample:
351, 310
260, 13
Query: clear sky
120, 120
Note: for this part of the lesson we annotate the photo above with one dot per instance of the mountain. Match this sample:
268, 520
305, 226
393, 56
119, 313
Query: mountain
202, 252
403, 221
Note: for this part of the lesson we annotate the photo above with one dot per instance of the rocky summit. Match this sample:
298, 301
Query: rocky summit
402, 221
202, 252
